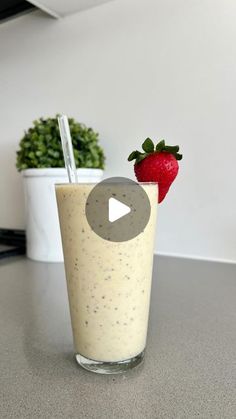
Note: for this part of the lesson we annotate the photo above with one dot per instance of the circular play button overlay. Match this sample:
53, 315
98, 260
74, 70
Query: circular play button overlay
118, 209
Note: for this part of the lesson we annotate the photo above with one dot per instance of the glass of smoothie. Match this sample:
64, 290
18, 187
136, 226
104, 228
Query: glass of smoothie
108, 283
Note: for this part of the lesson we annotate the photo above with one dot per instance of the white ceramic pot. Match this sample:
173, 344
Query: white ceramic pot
42, 224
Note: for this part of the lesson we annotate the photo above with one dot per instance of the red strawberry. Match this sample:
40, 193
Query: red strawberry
157, 165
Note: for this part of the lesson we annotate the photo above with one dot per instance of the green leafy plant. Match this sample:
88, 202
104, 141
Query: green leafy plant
41, 146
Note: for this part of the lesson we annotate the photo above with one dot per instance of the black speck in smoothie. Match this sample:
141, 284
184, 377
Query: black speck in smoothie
114, 194
116, 308
95, 311
82, 230
143, 291
86, 322
103, 297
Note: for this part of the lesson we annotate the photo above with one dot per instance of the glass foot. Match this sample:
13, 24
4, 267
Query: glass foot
101, 367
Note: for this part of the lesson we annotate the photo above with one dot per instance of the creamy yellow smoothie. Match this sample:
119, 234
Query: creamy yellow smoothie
109, 283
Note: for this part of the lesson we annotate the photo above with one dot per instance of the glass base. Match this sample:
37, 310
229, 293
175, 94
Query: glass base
101, 367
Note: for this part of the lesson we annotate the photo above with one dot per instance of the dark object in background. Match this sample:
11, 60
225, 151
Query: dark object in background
10, 8
12, 242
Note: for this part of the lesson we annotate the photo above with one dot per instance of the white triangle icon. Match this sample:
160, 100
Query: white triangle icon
116, 209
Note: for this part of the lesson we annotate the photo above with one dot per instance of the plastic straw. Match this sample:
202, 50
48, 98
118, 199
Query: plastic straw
67, 148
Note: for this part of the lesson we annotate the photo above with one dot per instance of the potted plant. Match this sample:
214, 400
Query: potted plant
40, 159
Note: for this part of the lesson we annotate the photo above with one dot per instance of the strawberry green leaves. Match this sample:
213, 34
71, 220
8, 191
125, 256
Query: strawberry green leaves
133, 155
172, 149
137, 156
160, 146
149, 148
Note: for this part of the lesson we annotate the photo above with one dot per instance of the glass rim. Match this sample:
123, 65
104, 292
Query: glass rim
112, 183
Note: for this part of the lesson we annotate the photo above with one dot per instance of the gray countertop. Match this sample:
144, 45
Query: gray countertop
190, 366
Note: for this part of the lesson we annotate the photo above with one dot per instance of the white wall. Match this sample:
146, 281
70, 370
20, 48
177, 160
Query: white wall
131, 69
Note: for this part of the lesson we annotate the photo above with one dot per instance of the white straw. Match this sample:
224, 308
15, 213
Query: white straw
67, 148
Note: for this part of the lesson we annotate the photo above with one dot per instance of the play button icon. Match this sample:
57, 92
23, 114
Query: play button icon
118, 209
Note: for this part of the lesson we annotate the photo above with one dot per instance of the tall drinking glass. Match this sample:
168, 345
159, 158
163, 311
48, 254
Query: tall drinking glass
108, 283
